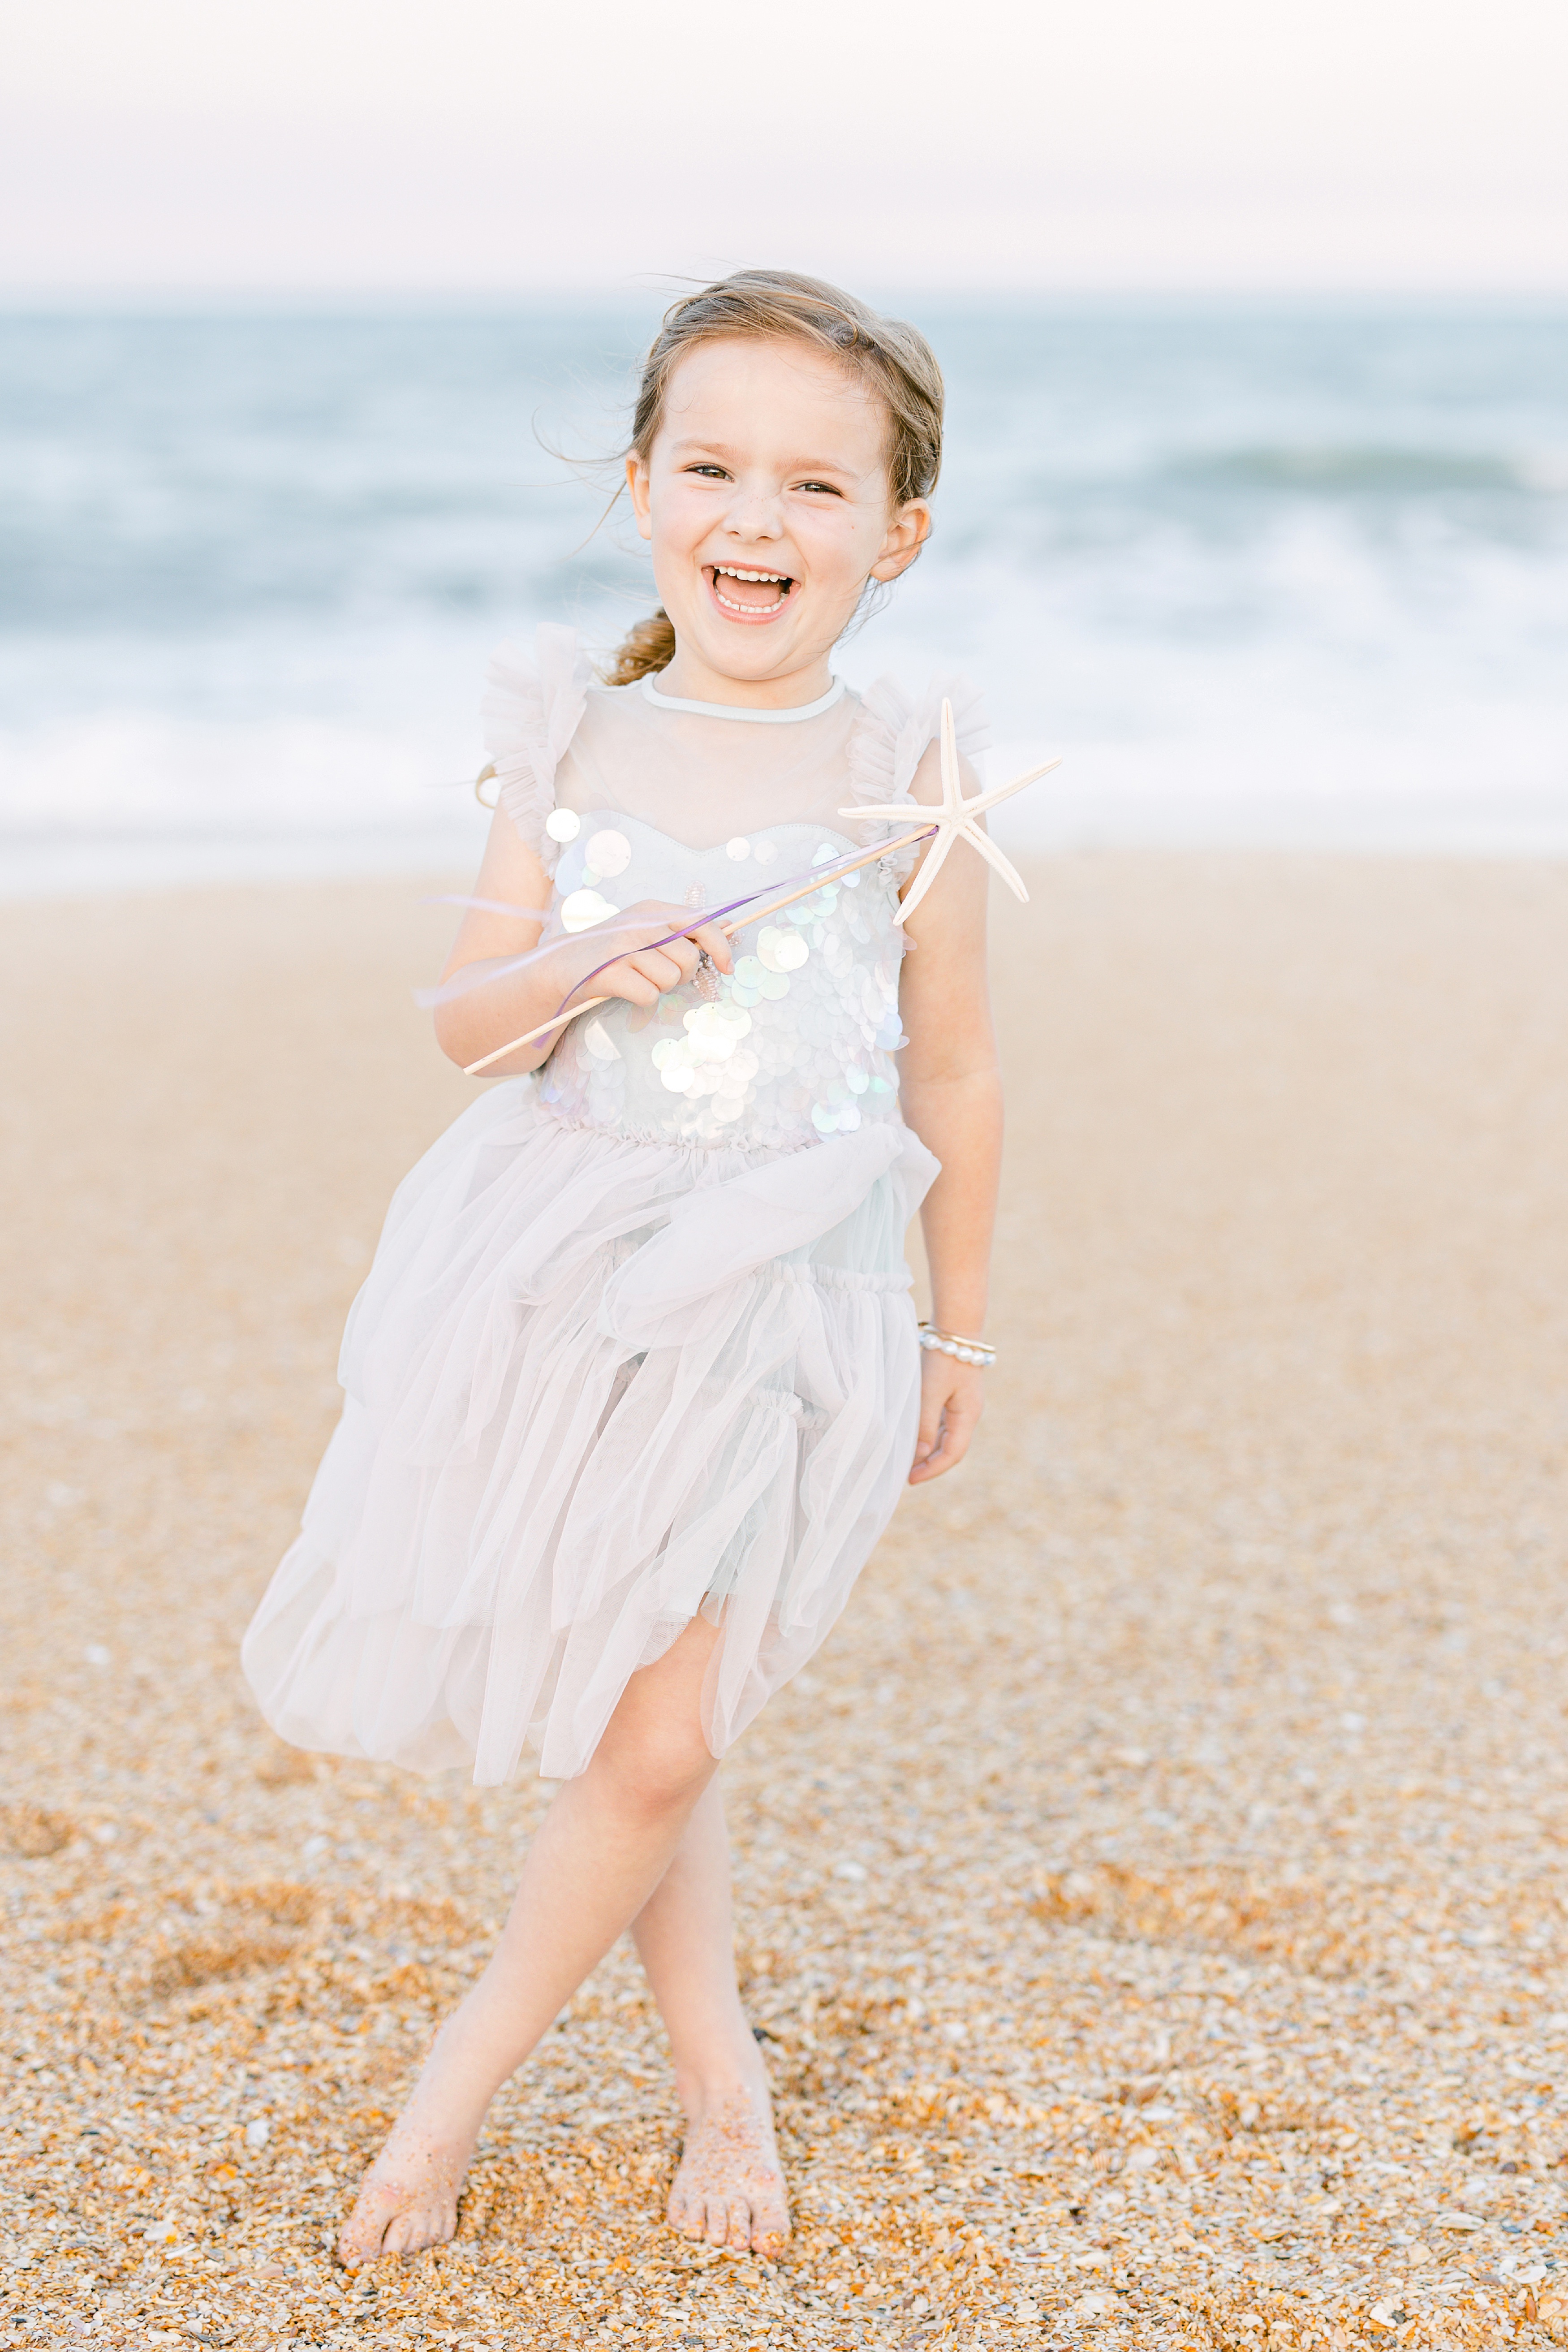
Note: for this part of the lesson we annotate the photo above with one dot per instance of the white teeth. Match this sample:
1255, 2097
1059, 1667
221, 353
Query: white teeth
779, 580
731, 605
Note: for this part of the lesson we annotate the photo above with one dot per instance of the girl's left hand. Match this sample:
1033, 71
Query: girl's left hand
952, 1398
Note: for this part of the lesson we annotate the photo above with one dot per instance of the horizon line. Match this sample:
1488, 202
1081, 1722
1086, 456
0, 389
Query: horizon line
19, 297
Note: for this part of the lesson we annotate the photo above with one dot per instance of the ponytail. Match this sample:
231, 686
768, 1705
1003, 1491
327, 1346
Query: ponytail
648, 648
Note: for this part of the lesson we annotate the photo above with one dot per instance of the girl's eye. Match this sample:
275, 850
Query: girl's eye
712, 473
826, 487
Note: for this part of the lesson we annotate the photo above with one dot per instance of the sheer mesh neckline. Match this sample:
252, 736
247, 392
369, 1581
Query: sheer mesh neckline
738, 711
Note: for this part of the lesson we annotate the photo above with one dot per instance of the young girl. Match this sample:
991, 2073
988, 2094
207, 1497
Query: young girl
634, 1382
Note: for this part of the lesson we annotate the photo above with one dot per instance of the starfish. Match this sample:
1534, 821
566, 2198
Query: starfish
954, 819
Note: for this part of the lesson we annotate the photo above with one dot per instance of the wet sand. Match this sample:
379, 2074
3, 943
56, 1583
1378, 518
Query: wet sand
1153, 1898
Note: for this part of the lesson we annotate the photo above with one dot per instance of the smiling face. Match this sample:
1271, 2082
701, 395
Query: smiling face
765, 500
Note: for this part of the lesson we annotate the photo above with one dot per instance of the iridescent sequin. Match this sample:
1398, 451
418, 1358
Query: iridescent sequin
583, 909
780, 951
563, 825
607, 853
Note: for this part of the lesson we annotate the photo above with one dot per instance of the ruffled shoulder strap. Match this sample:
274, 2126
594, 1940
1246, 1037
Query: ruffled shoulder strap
890, 738
531, 710
893, 729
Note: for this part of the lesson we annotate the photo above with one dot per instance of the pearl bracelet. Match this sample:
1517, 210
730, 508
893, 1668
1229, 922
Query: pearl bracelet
967, 1351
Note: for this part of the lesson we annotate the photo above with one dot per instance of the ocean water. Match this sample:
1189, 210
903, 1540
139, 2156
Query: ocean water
1266, 573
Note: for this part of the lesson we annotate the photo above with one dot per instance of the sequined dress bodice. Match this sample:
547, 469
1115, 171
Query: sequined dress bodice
794, 1046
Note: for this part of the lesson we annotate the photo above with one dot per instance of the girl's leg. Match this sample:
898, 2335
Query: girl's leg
730, 2186
599, 1852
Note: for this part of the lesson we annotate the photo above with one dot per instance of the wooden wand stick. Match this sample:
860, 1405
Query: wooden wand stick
738, 923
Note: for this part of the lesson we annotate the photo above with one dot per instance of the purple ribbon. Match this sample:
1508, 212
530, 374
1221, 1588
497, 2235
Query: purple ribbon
482, 974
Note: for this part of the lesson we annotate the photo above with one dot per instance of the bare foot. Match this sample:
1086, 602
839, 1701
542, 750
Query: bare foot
730, 2186
407, 2199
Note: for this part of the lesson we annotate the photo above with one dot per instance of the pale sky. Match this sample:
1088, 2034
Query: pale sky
455, 146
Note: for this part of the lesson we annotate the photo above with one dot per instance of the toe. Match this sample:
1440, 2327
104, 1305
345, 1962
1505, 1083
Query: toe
400, 2238
360, 2239
416, 2227
679, 2212
737, 2232
715, 2227
769, 2221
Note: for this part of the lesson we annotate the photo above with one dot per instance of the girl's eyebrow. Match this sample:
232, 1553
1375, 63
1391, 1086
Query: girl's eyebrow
721, 450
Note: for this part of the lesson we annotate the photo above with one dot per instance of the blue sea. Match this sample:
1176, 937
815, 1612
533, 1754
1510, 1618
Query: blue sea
1265, 573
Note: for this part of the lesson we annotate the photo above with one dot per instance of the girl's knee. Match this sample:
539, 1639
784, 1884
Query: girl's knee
656, 1773
653, 1749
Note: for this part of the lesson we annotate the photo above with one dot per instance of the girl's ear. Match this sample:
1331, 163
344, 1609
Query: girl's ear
637, 484
906, 535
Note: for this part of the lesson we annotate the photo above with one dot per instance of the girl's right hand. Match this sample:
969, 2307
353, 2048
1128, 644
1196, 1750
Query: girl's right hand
640, 972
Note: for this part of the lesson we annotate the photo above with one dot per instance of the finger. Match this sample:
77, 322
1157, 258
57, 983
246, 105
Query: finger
958, 1415
959, 1425
930, 1430
931, 1467
949, 1453
677, 952
712, 940
624, 980
683, 951
661, 966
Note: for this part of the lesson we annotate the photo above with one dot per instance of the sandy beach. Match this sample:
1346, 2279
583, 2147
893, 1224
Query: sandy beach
1153, 1899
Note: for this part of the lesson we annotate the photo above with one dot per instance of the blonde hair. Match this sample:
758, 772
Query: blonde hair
893, 360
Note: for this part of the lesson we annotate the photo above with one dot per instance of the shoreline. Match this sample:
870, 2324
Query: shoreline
1062, 822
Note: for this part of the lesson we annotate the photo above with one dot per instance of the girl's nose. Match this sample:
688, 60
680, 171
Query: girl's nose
758, 514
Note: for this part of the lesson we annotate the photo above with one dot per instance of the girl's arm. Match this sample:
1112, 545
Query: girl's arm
469, 1027
951, 1088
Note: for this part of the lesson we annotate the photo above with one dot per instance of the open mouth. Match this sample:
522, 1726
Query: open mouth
747, 595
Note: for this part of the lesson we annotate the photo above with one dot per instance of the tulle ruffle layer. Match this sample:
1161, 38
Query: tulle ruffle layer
595, 1385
